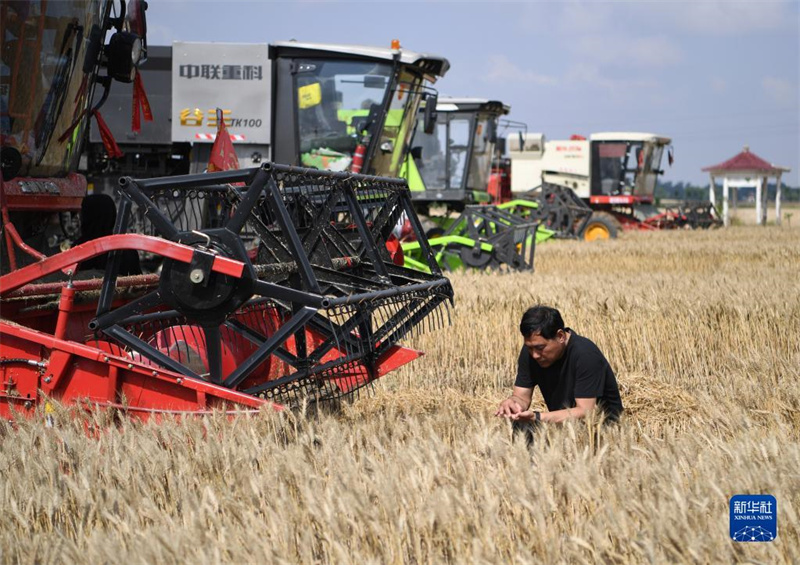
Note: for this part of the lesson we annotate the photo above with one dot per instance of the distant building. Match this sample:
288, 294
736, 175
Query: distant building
746, 170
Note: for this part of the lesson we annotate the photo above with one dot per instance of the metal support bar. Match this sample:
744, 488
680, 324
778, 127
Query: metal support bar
366, 235
341, 333
146, 350
257, 339
278, 209
245, 207
416, 226
272, 290
287, 329
356, 298
114, 258
131, 189
201, 179
121, 314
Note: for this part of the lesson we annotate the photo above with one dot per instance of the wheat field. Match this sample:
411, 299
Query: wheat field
702, 329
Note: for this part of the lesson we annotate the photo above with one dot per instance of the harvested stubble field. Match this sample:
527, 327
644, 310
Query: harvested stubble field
703, 330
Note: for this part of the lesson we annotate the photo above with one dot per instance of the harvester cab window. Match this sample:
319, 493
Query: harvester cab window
458, 143
398, 128
482, 152
633, 163
445, 153
621, 167
609, 160
432, 163
41, 82
336, 101
652, 167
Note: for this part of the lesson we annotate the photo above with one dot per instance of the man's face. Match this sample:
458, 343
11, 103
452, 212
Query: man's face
546, 351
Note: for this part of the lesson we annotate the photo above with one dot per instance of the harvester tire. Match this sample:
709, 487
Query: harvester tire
601, 225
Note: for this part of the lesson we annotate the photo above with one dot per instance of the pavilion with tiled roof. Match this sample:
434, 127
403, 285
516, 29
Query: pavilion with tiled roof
745, 170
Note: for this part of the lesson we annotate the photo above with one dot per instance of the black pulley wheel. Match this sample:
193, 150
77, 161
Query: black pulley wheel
475, 257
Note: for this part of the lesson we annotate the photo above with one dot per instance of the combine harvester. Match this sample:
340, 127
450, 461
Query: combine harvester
344, 108
275, 285
448, 173
613, 175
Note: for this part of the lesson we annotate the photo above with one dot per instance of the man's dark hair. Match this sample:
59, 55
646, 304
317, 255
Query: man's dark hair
543, 320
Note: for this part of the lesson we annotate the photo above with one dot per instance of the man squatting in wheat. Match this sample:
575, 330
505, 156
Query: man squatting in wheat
570, 371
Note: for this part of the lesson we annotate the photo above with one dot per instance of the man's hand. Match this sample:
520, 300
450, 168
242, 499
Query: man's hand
524, 416
510, 408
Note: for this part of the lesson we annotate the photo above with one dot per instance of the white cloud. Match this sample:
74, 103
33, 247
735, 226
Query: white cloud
727, 17
581, 18
706, 17
504, 72
781, 91
592, 75
501, 69
622, 51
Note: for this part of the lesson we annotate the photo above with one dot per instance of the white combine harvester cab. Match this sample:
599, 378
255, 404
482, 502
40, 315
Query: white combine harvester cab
608, 168
614, 173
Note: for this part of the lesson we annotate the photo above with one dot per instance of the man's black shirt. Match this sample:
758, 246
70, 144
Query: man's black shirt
582, 372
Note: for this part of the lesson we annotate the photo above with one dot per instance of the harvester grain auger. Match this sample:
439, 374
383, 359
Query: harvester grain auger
278, 285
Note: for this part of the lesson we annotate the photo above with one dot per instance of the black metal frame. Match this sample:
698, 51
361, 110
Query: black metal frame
559, 209
698, 214
513, 238
322, 264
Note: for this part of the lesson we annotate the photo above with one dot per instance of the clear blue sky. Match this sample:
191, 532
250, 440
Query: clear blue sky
714, 76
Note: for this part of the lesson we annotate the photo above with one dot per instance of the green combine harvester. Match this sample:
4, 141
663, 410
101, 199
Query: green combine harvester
448, 173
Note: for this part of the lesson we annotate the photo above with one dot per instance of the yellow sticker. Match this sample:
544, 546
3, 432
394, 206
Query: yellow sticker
191, 117
48, 408
212, 118
309, 95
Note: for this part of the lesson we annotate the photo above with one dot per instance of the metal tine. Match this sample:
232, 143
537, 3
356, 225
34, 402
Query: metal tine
429, 320
333, 319
437, 316
341, 320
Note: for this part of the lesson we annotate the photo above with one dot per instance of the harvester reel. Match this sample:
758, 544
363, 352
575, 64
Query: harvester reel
558, 209
486, 237
323, 299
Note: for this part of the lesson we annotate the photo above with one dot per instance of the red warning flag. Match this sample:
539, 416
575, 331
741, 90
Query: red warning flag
140, 101
223, 155
110, 144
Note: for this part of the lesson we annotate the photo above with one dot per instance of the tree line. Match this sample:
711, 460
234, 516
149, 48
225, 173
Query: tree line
668, 190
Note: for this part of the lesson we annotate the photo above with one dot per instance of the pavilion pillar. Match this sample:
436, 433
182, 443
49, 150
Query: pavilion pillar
778, 202
765, 202
712, 192
725, 215
759, 202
